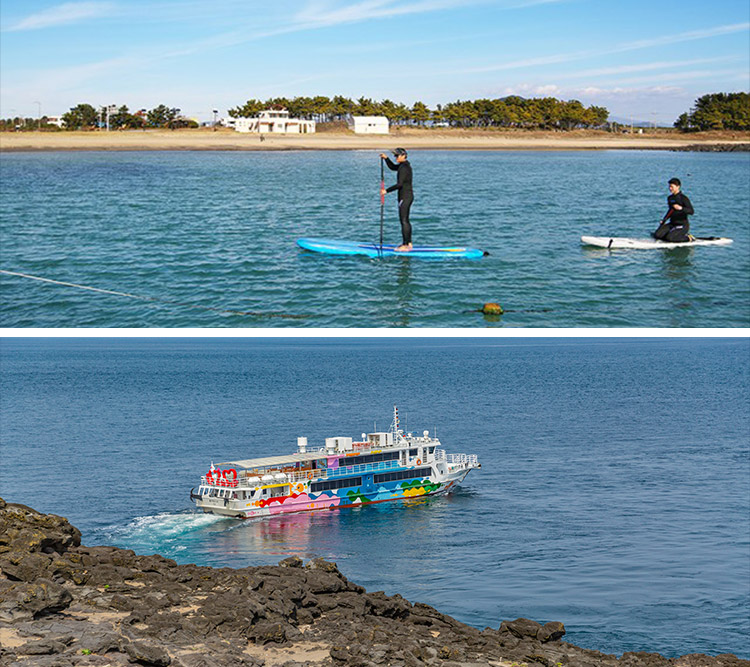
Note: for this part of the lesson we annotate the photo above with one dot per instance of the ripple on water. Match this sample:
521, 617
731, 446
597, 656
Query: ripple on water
219, 229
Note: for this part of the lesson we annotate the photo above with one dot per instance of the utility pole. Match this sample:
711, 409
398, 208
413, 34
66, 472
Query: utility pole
216, 111
111, 108
38, 115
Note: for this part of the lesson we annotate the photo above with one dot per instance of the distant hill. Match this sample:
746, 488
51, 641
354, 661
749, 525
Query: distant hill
636, 123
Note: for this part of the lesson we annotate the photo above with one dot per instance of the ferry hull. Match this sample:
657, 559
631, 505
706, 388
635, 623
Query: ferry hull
305, 501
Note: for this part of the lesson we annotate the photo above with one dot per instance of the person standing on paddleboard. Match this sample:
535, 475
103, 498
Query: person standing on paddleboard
674, 225
405, 193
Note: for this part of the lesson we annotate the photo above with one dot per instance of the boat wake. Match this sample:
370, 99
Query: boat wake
166, 533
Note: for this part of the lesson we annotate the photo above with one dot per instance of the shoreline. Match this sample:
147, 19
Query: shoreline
415, 140
66, 604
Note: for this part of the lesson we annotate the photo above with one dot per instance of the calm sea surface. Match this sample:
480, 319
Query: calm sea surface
614, 494
204, 233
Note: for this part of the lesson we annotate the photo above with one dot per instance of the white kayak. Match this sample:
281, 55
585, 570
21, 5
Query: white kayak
623, 242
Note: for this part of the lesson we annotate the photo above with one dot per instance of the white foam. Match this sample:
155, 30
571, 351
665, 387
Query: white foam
164, 525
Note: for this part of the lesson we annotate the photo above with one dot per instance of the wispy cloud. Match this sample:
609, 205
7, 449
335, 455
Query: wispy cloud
684, 37
65, 14
319, 14
620, 48
644, 67
551, 89
325, 13
688, 75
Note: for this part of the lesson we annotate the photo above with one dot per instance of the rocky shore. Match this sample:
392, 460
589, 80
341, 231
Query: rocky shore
64, 604
714, 148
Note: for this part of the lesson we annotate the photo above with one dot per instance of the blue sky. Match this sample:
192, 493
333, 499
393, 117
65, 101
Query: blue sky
639, 58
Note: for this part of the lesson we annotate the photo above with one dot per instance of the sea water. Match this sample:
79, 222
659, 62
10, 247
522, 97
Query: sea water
614, 493
208, 239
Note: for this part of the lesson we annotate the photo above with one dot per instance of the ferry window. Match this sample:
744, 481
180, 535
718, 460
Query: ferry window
430, 449
368, 458
331, 484
412, 452
402, 474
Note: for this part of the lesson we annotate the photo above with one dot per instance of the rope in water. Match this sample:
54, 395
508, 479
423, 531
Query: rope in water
250, 313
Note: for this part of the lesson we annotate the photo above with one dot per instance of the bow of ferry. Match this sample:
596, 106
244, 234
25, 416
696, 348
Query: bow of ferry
381, 467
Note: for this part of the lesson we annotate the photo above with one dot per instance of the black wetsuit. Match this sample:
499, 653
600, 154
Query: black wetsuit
675, 225
405, 195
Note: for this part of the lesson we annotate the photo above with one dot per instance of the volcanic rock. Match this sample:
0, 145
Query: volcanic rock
64, 604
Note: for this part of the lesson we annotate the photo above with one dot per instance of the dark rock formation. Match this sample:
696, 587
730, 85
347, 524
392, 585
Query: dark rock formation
63, 604
714, 148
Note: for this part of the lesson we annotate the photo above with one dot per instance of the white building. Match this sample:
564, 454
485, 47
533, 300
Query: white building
272, 121
369, 124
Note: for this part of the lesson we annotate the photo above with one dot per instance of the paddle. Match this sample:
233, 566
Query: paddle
382, 204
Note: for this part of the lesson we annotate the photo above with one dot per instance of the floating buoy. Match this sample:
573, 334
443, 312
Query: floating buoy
492, 309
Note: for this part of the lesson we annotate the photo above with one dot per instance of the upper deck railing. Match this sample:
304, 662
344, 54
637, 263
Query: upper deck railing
342, 471
294, 476
468, 460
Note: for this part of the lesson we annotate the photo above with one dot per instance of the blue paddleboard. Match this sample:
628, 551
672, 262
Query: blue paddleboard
331, 247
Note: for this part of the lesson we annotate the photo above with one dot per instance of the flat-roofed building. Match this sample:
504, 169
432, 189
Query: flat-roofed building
369, 124
272, 121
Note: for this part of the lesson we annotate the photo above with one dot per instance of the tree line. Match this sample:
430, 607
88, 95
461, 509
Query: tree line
515, 112
86, 117
717, 111
21, 123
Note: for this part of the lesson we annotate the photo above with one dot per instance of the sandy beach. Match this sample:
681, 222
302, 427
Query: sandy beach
414, 139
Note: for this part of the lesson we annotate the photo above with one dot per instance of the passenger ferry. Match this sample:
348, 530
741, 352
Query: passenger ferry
382, 466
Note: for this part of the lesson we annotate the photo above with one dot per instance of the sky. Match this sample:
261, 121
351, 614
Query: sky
640, 59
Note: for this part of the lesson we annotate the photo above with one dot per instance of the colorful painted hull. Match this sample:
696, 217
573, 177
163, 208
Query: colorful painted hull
303, 499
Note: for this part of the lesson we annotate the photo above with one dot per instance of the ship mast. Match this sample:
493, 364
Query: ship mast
396, 426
